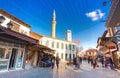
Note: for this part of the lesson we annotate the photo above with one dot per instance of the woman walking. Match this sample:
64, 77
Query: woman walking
52, 61
57, 62
94, 62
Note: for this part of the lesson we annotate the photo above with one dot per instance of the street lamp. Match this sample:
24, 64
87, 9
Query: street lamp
10, 25
2, 19
105, 2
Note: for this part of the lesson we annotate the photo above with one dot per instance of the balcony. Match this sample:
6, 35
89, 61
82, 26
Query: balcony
114, 13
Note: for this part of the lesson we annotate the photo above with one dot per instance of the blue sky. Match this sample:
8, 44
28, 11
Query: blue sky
83, 17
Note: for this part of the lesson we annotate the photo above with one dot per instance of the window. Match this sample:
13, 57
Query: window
57, 44
4, 57
57, 55
61, 55
69, 46
62, 46
20, 57
53, 44
73, 56
69, 56
47, 43
66, 56
66, 47
73, 47
2, 19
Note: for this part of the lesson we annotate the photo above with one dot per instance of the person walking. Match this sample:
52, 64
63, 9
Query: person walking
102, 61
52, 61
94, 62
91, 61
78, 62
57, 62
74, 62
111, 63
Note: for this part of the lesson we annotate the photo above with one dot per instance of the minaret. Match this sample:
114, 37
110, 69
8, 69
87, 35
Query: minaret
68, 35
53, 25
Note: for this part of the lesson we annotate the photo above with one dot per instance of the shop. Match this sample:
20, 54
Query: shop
13, 48
11, 55
35, 53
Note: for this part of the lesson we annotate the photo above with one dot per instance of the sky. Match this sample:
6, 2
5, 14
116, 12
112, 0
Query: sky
85, 18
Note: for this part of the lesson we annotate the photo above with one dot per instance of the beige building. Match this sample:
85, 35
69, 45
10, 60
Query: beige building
109, 43
17, 48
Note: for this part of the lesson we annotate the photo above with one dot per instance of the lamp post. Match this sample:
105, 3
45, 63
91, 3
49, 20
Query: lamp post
2, 19
105, 2
10, 25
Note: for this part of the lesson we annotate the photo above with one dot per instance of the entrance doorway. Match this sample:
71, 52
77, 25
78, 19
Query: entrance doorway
13, 58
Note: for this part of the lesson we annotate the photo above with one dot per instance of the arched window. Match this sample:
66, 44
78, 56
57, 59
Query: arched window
2, 19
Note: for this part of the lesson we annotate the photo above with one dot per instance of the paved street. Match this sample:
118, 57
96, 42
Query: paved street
64, 72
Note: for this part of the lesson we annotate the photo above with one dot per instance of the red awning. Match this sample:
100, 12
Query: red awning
18, 35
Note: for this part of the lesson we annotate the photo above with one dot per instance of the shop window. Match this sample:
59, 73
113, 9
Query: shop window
4, 58
29, 56
20, 58
2, 19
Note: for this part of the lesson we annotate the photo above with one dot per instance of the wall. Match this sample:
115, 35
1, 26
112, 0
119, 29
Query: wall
22, 29
59, 50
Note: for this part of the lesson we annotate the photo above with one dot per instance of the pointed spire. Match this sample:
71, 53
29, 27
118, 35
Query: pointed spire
54, 13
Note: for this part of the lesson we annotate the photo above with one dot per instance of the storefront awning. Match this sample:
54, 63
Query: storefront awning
45, 48
8, 32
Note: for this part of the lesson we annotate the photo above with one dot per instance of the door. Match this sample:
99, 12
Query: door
13, 58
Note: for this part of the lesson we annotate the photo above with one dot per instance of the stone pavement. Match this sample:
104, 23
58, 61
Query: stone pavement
86, 71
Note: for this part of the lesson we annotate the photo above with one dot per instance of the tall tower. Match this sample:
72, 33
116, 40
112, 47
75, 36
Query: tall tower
69, 35
53, 25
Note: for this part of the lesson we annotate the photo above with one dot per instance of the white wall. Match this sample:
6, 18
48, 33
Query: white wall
22, 27
59, 50
24, 30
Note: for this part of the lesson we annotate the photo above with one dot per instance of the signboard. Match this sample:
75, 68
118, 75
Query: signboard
112, 47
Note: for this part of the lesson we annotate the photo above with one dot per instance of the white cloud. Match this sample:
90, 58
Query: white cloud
95, 15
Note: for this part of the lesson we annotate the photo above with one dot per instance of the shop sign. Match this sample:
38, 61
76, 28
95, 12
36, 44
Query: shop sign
112, 47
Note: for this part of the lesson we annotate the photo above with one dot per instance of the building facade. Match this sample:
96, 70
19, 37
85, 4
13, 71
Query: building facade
19, 47
9, 21
65, 50
109, 42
